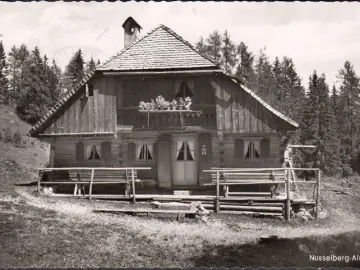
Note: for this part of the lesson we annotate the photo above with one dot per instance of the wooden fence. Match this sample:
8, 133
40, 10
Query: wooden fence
92, 179
246, 171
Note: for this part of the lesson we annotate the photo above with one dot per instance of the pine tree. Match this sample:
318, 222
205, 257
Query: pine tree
349, 111
329, 144
35, 96
18, 71
293, 93
277, 94
245, 70
228, 53
201, 47
74, 71
213, 47
264, 80
90, 65
3, 77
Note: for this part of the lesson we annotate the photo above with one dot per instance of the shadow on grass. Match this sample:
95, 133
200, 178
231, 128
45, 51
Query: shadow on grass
285, 253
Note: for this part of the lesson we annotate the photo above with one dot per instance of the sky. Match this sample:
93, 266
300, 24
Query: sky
317, 36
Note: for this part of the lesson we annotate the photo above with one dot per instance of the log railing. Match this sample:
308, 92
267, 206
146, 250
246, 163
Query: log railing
93, 179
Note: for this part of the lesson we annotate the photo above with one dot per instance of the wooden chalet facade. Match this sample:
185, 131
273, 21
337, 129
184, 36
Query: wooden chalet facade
99, 124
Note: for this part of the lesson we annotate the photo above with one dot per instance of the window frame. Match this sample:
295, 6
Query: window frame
93, 147
138, 146
253, 150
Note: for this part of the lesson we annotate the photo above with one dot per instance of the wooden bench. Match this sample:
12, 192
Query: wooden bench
83, 177
235, 176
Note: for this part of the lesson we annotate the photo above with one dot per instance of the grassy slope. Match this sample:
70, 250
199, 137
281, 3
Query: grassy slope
53, 232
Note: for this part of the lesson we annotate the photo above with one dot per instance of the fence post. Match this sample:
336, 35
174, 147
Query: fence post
133, 185
39, 180
318, 195
288, 203
217, 202
91, 183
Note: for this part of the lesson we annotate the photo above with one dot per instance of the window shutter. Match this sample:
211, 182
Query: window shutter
106, 151
265, 148
131, 152
239, 148
80, 151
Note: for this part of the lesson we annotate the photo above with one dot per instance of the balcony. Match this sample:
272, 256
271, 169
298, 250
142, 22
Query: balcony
134, 119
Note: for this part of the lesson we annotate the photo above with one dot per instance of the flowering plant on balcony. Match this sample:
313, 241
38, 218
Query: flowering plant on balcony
187, 103
173, 104
161, 103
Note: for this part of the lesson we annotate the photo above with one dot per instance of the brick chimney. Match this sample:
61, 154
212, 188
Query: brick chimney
131, 31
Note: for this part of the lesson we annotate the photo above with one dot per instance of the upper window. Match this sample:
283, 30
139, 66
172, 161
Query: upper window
144, 152
184, 91
89, 90
252, 149
93, 152
185, 150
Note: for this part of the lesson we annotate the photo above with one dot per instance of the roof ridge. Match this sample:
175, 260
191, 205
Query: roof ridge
131, 45
180, 38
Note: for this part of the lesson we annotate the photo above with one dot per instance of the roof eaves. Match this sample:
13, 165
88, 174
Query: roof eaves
59, 104
262, 102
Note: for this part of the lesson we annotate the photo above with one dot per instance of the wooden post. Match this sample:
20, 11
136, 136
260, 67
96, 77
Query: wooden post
288, 203
318, 195
133, 185
91, 183
39, 180
127, 184
217, 206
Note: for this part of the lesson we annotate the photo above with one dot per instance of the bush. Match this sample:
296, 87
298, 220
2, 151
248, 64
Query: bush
1, 136
8, 137
17, 138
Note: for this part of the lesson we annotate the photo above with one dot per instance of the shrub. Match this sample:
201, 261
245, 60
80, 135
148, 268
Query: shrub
8, 137
17, 138
1, 136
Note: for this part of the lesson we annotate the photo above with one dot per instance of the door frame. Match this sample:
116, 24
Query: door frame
185, 136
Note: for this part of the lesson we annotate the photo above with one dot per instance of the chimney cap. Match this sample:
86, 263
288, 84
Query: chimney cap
131, 21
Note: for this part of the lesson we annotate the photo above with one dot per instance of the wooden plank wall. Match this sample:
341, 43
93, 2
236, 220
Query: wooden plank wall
226, 157
238, 112
93, 114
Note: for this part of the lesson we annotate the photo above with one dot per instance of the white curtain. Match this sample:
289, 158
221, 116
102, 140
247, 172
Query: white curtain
191, 85
88, 151
178, 148
246, 147
191, 148
177, 86
98, 148
150, 147
257, 146
138, 150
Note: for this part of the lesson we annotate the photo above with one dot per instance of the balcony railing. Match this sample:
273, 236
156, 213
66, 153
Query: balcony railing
165, 119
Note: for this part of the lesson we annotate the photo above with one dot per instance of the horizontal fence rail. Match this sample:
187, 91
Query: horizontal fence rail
239, 178
121, 179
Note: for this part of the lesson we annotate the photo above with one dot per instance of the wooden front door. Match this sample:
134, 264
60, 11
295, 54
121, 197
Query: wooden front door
184, 159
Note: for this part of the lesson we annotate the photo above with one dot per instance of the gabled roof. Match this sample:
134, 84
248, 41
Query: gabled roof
160, 49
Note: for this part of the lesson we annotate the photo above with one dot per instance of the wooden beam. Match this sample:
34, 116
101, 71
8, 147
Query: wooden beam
318, 196
217, 203
133, 185
288, 203
301, 146
91, 184
93, 168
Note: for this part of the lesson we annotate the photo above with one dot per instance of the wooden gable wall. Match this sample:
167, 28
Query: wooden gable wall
238, 112
92, 114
